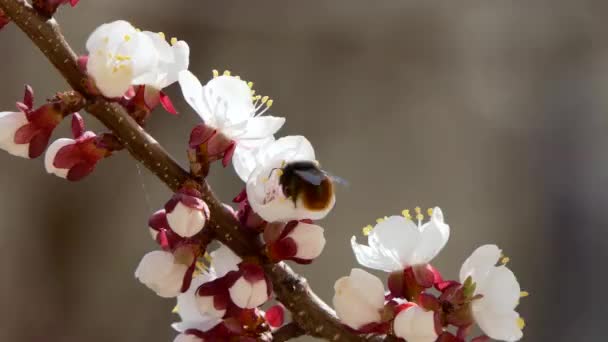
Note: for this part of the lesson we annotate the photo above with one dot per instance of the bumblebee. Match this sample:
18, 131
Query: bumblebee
305, 181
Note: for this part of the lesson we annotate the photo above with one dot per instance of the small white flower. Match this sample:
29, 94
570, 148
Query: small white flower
188, 308
172, 59
227, 104
51, 153
265, 194
495, 311
10, 122
223, 260
359, 299
159, 271
397, 243
119, 54
414, 324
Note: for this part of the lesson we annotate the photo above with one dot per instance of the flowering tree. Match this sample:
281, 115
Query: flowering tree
220, 291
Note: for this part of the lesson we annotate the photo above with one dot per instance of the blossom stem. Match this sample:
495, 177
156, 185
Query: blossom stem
310, 313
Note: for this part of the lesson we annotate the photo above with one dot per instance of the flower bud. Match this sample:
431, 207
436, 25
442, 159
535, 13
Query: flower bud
252, 288
187, 213
299, 241
275, 316
414, 324
10, 123
4, 20
49, 7
160, 271
359, 299
74, 159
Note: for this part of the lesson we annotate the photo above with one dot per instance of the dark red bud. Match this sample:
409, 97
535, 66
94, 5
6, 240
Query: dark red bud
165, 101
275, 316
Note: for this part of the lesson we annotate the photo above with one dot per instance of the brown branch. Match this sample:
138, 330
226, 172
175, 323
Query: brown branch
309, 312
287, 332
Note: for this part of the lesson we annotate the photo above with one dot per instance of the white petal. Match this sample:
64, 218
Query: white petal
236, 94
158, 271
187, 338
161, 45
396, 237
224, 260
143, 53
259, 294
112, 83
358, 299
502, 327
187, 306
192, 89
500, 290
480, 263
372, 258
109, 34
240, 292
415, 325
186, 221
51, 152
206, 307
433, 238
181, 56
310, 240
262, 127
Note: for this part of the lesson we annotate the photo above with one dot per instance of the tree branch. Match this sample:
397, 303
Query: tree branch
287, 332
312, 315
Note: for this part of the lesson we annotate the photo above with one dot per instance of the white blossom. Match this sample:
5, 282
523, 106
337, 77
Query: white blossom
265, 193
309, 240
359, 299
10, 122
226, 103
414, 324
397, 242
159, 271
250, 293
119, 54
495, 311
188, 308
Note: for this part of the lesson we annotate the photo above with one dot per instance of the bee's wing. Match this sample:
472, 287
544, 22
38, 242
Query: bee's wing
339, 180
312, 176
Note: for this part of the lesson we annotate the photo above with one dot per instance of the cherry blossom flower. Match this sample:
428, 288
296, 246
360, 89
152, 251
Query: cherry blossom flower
233, 117
359, 299
118, 55
396, 243
187, 213
162, 273
299, 241
264, 190
495, 311
10, 122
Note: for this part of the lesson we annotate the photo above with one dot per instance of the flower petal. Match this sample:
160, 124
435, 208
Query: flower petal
372, 258
502, 327
192, 89
480, 263
224, 260
262, 127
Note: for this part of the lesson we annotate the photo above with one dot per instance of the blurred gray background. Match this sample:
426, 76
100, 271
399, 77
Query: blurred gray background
493, 110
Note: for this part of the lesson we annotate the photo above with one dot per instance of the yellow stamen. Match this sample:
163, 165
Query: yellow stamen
380, 220
122, 58
429, 211
137, 29
215, 73
406, 214
127, 37
175, 310
207, 257
173, 41
419, 215
521, 324
367, 229
264, 99
162, 35
269, 103
106, 40
250, 84
524, 294
505, 260
227, 73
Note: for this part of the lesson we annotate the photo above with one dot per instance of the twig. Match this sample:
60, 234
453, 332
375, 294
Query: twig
309, 312
287, 332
